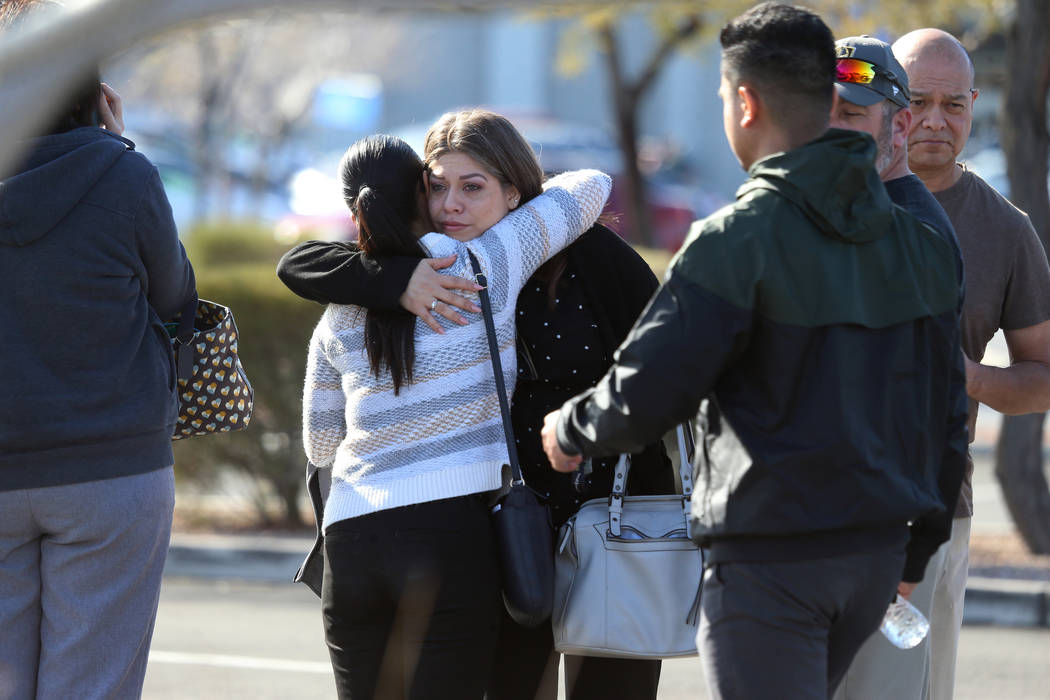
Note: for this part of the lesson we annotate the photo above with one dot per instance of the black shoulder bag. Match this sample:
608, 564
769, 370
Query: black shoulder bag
520, 521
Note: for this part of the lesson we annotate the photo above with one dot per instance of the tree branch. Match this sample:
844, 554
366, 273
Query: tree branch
688, 28
607, 38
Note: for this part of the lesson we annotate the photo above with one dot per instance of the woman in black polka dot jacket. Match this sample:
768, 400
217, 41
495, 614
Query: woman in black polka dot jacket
571, 316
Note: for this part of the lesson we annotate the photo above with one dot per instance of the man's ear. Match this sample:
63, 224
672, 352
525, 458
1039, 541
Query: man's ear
901, 127
750, 105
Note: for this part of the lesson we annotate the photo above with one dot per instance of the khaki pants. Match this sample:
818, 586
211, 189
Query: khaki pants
946, 620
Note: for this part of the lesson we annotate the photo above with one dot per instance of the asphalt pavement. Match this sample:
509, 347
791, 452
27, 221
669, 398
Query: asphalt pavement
233, 639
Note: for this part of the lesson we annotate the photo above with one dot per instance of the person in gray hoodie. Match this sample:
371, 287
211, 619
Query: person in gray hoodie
90, 267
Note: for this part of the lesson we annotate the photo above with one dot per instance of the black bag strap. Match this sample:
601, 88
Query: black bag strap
497, 368
184, 338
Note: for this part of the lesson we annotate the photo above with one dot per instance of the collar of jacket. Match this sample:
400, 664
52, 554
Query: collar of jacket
833, 181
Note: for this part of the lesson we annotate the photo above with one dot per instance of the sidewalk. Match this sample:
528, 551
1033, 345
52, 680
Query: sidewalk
253, 557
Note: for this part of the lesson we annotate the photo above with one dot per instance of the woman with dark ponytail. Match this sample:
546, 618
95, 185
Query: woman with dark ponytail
570, 317
408, 422
382, 183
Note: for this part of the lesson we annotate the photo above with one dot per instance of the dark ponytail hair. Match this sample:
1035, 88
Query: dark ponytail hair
382, 181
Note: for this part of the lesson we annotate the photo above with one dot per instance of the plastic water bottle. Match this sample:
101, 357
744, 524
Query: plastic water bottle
903, 624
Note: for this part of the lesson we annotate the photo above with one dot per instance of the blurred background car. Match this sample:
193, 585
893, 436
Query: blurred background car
675, 200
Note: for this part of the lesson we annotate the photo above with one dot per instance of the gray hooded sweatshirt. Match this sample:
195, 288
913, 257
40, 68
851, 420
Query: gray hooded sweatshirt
90, 266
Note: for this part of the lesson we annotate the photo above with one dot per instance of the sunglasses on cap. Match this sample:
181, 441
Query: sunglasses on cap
854, 70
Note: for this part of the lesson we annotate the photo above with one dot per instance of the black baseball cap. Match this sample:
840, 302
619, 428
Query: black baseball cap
867, 71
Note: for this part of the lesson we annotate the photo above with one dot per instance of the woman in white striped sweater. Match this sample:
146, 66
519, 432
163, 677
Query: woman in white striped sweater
409, 420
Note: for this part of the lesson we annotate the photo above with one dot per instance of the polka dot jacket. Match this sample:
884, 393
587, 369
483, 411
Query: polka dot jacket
565, 348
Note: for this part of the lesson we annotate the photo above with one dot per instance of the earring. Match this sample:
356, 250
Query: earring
514, 203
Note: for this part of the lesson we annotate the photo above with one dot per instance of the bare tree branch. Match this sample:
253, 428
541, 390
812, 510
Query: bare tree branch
689, 27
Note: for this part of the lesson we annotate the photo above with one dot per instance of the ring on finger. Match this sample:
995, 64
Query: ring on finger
433, 304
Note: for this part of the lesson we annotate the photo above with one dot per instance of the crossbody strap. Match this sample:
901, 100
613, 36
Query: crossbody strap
497, 368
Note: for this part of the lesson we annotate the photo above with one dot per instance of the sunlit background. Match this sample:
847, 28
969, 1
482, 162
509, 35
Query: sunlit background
246, 116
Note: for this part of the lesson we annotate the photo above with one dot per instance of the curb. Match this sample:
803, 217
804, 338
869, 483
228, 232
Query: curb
269, 559
1007, 603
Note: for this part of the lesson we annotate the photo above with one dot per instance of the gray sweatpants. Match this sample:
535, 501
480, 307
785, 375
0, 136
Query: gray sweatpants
80, 572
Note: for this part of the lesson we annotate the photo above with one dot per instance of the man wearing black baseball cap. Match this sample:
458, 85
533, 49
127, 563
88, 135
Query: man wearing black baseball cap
872, 96
868, 72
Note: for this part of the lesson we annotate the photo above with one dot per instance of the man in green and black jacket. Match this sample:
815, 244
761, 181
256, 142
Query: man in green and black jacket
815, 326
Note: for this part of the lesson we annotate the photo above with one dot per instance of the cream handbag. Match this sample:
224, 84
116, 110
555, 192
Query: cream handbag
627, 576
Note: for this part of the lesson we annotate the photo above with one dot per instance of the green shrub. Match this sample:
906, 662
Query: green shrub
232, 243
274, 327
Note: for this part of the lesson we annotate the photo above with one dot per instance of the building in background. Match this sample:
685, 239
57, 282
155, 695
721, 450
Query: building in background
397, 72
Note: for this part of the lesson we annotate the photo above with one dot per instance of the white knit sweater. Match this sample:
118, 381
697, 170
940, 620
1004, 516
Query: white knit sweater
442, 436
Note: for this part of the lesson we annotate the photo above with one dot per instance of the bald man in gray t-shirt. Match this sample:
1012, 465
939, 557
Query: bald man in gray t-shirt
1007, 287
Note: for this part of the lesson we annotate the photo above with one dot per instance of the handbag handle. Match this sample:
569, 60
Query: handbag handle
623, 467
497, 369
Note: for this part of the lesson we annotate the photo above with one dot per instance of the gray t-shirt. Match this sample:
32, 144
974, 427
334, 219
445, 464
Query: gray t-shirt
1007, 276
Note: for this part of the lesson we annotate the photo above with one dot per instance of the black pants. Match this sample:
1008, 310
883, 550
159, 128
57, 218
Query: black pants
411, 601
526, 668
791, 629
